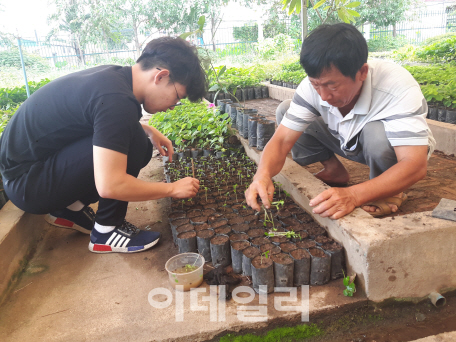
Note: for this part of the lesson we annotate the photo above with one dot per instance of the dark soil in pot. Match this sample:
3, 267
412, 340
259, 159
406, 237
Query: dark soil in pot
320, 267
258, 241
315, 230
240, 228
287, 247
283, 270
220, 250
236, 254
257, 232
199, 219
186, 242
321, 239
203, 243
193, 213
225, 230
306, 243
200, 227
247, 255
262, 274
337, 258
219, 223
238, 237
271, 248
277, 240
236, 220
301, 260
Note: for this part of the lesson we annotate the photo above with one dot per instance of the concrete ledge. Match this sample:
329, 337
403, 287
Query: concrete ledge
444, 133
444, 337
19, 235
445, 136
402, 257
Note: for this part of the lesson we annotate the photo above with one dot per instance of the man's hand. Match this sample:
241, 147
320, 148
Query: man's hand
334, 203
263, 187
160, 141
185, 188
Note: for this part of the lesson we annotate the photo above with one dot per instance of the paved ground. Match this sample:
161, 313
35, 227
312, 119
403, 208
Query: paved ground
70, 294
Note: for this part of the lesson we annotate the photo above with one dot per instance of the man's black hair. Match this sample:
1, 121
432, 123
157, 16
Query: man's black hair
181, 59
341, 45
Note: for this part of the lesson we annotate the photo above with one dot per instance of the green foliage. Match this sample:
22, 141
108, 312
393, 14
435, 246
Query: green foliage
193, 125
343, 9
383, 13
439, 38
443, 50
350, 287
5, 117
273, 48
11, 97
386, 43
11, 58
285, 334
231, 79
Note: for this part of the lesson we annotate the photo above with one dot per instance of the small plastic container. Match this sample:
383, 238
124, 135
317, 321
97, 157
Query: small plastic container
185, 269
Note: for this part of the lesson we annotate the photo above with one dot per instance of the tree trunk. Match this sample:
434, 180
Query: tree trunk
394, 30
304, 19
213, 31
136, 38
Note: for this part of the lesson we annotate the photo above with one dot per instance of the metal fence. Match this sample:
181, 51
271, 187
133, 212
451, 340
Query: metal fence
423, 23
232, 38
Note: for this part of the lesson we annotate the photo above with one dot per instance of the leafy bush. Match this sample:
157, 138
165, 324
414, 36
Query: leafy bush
439, 38
272, 48
11, 58
5, 116
385, 43
193, 124
11, 97
443, 50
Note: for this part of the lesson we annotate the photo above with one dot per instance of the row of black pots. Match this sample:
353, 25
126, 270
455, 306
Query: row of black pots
244, 94
442, 114
277, 267
290, 85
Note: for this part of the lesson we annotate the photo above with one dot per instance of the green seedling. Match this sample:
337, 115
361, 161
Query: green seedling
234, 188
205, 189
349, 283
264, 255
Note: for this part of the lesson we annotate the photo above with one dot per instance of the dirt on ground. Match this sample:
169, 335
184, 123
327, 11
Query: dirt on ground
425, 195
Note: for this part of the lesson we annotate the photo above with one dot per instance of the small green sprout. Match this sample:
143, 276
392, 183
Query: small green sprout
349, 284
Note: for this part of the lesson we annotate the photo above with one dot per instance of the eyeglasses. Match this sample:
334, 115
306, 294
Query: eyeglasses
179, 103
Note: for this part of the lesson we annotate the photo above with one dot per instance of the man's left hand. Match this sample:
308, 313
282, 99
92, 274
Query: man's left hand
334, 203
160, 141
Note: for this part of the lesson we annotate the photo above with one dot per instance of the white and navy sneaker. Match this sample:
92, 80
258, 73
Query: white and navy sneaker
82, 220
125, 238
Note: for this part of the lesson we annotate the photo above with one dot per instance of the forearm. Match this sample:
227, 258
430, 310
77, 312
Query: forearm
391, 182
130, 189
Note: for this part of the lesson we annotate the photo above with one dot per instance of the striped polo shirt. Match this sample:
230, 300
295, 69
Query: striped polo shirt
389, 94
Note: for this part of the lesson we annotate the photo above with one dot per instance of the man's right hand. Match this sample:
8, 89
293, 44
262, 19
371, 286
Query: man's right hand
185, 188
262, 187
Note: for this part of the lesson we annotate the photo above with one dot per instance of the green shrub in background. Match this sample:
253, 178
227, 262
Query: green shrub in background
272, 48
439, 38
443, 50
5, 116
385, 43
11, 58
11, 97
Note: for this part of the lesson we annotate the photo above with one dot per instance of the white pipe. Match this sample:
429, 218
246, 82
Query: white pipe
437, 299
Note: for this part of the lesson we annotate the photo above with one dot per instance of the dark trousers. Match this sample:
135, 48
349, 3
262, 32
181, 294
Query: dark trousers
68, 176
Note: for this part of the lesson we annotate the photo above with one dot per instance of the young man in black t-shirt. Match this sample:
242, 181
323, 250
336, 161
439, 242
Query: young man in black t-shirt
78, 140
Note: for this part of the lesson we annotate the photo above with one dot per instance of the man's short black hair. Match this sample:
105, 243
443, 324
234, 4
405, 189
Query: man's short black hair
181, 59
341, 45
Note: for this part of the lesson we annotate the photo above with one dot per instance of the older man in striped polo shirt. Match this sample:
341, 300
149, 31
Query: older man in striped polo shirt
369, 112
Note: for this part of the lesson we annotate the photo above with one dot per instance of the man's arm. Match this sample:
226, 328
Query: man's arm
410, 168
112, 180
272, 160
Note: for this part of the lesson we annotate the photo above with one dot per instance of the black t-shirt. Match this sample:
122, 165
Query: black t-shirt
96, 102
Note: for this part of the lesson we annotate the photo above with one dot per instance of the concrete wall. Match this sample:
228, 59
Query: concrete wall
402, 257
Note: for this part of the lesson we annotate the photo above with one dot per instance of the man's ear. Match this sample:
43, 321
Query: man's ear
160, 75
363, 72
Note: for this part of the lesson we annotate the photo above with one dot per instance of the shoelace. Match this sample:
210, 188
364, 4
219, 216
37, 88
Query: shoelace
128, 228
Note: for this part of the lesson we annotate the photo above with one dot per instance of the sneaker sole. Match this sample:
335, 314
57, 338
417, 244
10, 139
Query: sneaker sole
97, 248
62, 223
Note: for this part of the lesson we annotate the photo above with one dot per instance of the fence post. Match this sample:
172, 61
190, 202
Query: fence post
23, 66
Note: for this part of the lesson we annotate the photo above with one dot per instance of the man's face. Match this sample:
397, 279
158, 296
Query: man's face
162, 94
338, 90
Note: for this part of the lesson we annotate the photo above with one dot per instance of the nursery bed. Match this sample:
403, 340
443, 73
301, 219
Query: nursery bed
422, 196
